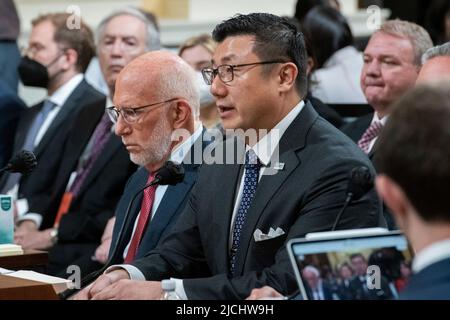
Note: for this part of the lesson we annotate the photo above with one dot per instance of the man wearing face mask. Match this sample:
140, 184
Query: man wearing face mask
56, 58
197, 52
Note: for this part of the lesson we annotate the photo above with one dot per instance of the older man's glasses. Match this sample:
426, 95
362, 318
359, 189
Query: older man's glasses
226, 71
132, 115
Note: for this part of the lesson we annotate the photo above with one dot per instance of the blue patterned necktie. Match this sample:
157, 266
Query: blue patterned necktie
252, 166
28, 144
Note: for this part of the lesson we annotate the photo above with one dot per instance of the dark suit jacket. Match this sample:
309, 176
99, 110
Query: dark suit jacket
305, 196
171, 206
326, 291
49, 152
325, 111
432, 283
11, 108
81, 228
361, 292
355, 130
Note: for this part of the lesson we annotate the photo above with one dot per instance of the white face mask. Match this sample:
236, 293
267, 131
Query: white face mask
206, 98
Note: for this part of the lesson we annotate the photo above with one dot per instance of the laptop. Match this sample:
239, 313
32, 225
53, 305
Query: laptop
364, 264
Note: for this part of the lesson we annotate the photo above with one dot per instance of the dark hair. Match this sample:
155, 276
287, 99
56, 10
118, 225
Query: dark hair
435, 20
304, 6
275, 38
357, 255
79, 39
414, 150
328, 31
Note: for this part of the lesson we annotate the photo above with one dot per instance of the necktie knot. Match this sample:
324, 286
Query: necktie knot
251, 159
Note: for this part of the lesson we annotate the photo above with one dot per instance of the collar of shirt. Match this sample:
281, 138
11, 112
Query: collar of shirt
60, 96
179, 153
265, 147
376, 118
431, 254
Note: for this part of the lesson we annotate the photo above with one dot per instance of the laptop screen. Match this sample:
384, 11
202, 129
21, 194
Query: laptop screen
373, 267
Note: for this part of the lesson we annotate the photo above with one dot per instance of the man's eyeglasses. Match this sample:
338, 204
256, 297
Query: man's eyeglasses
131, 115
226, 71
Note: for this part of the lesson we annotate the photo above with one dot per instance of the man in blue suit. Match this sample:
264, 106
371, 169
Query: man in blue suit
414, 180
152, 137
11, 107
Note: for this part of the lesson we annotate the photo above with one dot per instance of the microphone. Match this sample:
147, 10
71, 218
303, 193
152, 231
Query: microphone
24, 162
360, 182
169, 174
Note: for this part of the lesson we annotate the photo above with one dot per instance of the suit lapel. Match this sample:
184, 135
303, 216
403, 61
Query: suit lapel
172, 199
293, 140
67, 110
24, 126
113, 144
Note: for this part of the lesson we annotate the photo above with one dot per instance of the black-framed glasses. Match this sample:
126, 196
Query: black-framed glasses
226, 71
131, 115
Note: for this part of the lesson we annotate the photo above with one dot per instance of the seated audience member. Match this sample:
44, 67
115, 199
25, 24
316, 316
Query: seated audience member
197, 52
339, 64
321, 108
95, 165
295, 184
304, 6
316, 287
11, 107
392, 62
414, 175
435, 64
405, 274
55, 59
151, 140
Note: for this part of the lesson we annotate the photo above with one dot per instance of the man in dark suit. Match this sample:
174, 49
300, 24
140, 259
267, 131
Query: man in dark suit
316, 287
56, 59
11, 107
392, 62
172, 198
231, 236
95, 165
414, 175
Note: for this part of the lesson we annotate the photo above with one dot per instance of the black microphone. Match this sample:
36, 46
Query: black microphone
24, 162
360, 182
169, 174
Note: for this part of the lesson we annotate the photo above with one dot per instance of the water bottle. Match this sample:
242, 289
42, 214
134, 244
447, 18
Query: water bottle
168, 287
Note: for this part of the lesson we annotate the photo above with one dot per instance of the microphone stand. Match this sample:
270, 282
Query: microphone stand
93, 275
338, 218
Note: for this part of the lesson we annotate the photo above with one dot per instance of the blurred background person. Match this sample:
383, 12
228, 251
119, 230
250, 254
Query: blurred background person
197, 52
339, 64
9, 52
435, 64
344, 290
55, 59
11, 108
316, 287
414, 175
304, 6
437, 21
405, 274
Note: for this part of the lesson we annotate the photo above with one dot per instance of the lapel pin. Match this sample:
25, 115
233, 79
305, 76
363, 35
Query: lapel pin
279, 166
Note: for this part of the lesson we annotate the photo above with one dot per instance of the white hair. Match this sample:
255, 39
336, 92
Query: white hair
438, 51
313, 270
153, 41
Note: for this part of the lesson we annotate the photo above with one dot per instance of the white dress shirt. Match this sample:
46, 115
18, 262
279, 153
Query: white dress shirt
264, 149
383, 122
429, 255
338, 81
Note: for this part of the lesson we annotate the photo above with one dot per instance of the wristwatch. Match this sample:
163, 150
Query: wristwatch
54, 235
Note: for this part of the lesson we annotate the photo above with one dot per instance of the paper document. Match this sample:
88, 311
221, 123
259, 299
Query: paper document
59, 284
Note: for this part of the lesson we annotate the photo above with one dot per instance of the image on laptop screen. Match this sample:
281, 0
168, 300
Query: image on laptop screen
355, 268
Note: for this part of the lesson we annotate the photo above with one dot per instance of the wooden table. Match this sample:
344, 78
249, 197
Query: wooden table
29, 260
21, 289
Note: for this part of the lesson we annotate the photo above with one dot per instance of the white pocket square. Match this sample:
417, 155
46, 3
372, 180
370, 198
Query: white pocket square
260, 236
